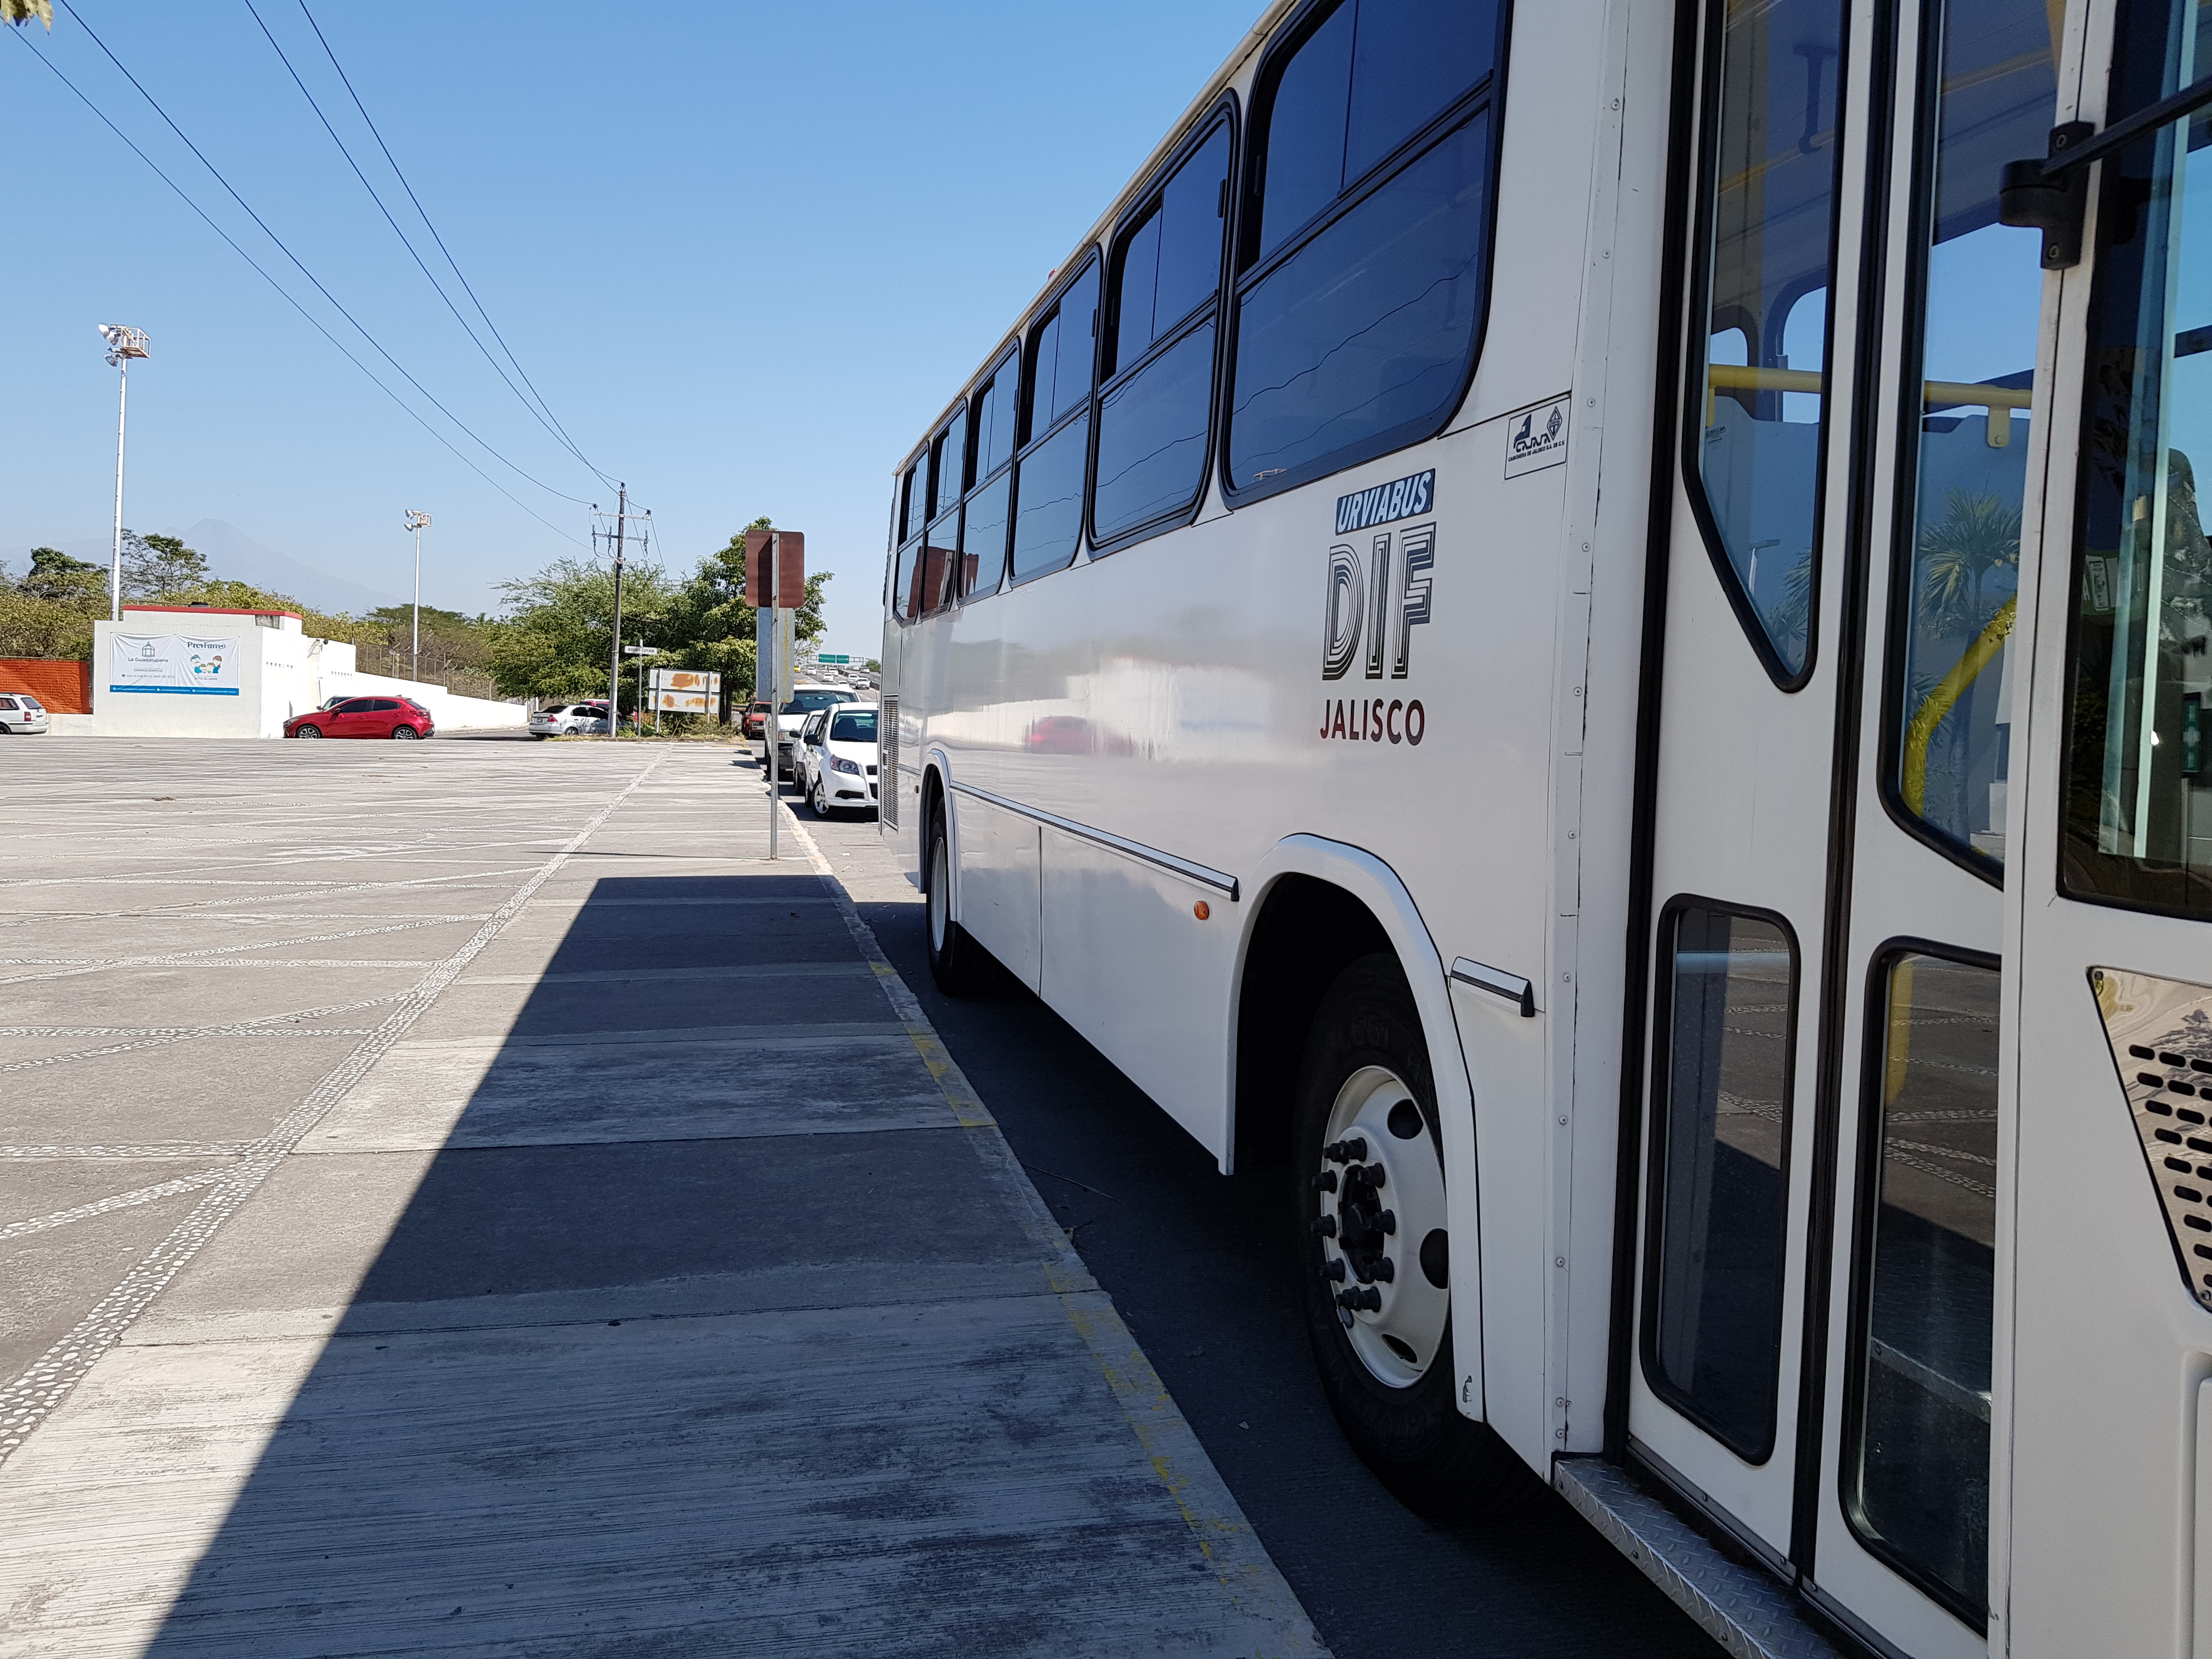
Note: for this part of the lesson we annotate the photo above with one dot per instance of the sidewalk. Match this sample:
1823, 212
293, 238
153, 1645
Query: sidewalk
651, 1282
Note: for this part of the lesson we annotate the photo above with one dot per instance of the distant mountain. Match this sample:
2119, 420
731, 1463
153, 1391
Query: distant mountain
233, 556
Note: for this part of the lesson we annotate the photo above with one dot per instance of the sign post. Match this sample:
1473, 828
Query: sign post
775, 581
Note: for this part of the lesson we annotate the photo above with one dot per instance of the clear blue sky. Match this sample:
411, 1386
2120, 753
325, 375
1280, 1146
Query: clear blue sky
745, 252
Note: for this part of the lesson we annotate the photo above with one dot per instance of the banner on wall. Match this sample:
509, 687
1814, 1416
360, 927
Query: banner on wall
180, 664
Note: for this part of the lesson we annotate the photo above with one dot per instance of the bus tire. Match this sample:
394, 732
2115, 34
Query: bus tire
1364, 1050
955, 959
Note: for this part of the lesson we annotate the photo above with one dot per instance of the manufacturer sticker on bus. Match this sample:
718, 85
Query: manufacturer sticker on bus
1536, 438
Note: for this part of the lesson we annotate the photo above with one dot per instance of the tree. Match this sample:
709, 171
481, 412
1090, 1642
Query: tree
161, 569
56, 577
20, 12
557, 638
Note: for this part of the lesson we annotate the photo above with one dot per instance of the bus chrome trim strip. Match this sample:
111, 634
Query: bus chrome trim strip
1495, 980
1224, 885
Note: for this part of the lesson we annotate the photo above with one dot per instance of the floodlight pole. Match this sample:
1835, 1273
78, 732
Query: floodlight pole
416, 522
124, 344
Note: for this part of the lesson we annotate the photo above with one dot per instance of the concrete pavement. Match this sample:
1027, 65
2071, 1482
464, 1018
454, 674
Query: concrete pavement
465, 1199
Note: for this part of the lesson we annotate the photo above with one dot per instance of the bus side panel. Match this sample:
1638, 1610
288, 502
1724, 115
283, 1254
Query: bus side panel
1130, 965
998, 892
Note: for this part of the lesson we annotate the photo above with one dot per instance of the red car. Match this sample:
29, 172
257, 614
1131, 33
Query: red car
364, 717
756, 721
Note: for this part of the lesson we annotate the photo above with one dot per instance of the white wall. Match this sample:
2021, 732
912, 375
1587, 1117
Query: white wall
272, 674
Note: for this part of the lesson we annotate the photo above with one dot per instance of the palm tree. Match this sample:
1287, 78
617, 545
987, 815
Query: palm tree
20, 12
1977, 536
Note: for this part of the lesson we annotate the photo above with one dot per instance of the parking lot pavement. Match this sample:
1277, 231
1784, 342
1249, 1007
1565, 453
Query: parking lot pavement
466, 1199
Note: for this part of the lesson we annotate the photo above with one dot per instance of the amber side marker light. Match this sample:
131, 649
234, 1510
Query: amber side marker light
1200, 910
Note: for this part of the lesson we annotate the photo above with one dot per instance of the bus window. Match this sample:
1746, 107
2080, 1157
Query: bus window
1916, 1439
1994, 95
1152, 437
994, 421
2138, 809
983, 543
1061, 352
1170, 263
906, 581
1049, 501
1720, 1128
948, 456
1353, 331
941, 563
1755, 449
915, 499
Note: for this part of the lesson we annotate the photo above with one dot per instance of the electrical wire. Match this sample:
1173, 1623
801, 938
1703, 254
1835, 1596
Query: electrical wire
542, 418
315, 322
442, 248
303, 270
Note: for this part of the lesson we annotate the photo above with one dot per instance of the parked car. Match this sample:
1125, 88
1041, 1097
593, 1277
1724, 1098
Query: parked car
365, 717
22, 713
803, 701
838, 750
756, 720
570, 719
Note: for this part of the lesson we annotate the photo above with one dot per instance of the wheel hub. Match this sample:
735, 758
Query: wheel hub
1381, 1227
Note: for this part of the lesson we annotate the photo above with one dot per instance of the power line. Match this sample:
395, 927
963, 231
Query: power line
312, 104
442, 248
308, 274
315, 322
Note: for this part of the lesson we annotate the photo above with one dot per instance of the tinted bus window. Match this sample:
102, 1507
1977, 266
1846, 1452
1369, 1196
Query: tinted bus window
1061, 354
940, 562
1171, 264
915, 497
1995, 90
994, 421
1359, 339
983, 543
1152, 437
949, 453
1049, 501
1770, 180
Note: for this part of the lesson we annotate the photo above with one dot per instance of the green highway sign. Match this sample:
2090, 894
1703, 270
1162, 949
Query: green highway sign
835, 661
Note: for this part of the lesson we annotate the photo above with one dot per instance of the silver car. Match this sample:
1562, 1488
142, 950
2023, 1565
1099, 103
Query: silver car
569, 720
22, 713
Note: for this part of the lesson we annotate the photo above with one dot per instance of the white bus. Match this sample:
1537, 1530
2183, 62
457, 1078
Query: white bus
1561, 624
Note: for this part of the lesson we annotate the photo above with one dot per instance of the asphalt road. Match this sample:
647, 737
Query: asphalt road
1191, 1260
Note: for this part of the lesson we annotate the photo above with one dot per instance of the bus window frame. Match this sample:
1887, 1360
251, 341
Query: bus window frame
1486, 101
939, 504
1697, 310
1657, 1106
1009, 356
1858, 1325
1225, 111
1912, 338
1088, 259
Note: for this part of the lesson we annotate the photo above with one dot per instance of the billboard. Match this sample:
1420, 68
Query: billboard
687, 691
178, 665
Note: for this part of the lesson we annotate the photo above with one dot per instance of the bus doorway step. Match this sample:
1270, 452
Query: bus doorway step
1743, 1609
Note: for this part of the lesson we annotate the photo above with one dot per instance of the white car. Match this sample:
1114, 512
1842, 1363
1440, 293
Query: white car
21, 712
802, 702
569, 720
838, 758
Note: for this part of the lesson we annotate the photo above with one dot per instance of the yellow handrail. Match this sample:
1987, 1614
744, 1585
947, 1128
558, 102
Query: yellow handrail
1920, 731
1752, 376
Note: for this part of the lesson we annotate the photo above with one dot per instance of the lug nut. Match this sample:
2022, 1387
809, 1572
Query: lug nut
1361, 1301
1387, 1222
1372, 1174
1385, 1271
1333, 1270
1350, 1150
1325, 1181
1322, 1225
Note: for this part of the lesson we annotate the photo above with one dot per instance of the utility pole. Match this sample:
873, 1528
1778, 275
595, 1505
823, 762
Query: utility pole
122, 344
614, 669
417, 522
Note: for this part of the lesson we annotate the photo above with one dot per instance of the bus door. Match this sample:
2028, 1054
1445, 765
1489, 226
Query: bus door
2110, 1471
1813, 1303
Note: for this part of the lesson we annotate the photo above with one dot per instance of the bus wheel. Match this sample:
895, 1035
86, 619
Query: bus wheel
954, 958
1373, 1252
